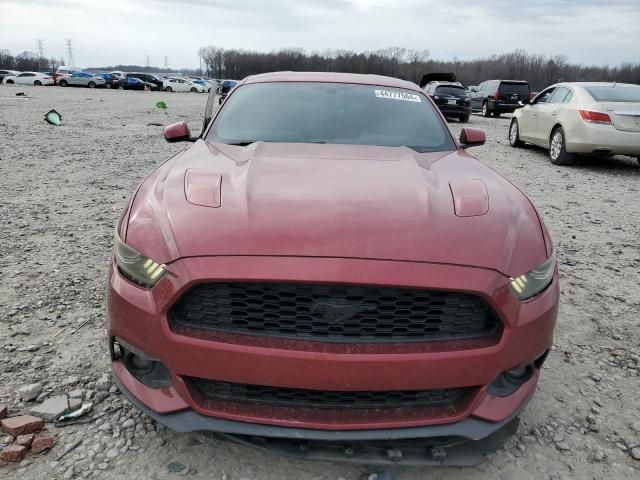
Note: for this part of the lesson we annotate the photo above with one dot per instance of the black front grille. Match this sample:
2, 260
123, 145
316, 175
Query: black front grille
295, 397
334, 313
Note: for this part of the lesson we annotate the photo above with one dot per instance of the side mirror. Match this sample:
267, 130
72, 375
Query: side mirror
472, 137
524, 102
177, 132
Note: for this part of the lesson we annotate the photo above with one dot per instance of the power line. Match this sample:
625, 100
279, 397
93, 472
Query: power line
69, 46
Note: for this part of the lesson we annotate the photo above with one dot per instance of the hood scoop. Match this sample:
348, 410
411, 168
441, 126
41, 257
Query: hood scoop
202, 187
470, 198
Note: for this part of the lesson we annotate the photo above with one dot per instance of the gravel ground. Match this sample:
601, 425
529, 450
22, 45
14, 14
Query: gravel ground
62, 189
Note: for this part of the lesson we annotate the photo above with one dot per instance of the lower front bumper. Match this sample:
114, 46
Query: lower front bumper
464, 443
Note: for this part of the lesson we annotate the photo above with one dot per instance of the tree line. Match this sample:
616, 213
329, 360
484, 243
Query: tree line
28, 62
409, 64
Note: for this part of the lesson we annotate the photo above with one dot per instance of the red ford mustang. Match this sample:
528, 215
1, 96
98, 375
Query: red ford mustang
326, 272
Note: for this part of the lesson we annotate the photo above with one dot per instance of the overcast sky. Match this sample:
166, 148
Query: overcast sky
125, 31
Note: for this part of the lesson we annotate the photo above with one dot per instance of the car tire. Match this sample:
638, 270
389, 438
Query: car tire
514, 135
485, 109
496, 114
557, 149
120, 87
91, 85
108, 85
194, 89
37, 83
464, 118
63, 83
9, 82
168, 89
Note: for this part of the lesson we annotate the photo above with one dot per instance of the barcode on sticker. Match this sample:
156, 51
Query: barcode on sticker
391, 95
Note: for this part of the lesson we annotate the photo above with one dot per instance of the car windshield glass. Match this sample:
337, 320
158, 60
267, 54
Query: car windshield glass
451, 90
615, 94
507, 88
305, 112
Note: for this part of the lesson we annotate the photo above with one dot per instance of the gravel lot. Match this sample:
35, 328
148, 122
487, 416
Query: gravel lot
62, 189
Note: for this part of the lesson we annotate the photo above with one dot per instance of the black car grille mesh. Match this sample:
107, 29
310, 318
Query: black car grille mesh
334, 313
295, 397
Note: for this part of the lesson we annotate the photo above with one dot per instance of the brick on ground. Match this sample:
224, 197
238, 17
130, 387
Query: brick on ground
22, 424
13, 453
42, 443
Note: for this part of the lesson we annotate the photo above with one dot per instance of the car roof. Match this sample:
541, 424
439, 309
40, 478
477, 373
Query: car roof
330, 77
596, 84
447, 84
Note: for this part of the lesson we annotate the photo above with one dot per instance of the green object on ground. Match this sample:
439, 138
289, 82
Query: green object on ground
161, 104
53, 117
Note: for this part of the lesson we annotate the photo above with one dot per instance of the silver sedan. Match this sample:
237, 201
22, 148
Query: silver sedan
580, 118
82, 79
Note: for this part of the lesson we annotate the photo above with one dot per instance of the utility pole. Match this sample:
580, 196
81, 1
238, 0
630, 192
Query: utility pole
148, 58
69, 46
166, 62
40, 44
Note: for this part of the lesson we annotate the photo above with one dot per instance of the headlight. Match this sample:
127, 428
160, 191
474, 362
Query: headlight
135, 266
531, 283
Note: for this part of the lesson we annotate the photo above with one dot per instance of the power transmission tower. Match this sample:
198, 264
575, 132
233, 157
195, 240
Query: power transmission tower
166, 62
148, 59
40, 44
69, 45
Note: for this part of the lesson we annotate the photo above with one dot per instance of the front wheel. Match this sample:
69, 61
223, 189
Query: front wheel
485, 109
558, 149
63, 83
194, 89
92, 85
514, 135
37, 83
168, 89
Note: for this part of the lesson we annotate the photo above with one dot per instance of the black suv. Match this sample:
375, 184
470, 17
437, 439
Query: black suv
450, 96
494, 97
147, 77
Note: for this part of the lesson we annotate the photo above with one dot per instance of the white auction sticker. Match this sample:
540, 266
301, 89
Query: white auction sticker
407, 97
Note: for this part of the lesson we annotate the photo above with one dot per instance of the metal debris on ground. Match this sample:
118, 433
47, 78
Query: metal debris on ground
84, 409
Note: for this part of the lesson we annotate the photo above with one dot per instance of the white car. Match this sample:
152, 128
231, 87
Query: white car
580, 118
29, 78
181, 85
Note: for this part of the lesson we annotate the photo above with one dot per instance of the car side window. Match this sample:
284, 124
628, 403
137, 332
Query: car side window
558, 95
544, 96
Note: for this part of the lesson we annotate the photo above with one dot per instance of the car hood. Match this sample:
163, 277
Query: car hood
343, 201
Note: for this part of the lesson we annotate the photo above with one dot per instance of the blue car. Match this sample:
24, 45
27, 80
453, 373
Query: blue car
132, 83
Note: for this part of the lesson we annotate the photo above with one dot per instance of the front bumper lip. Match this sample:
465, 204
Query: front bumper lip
190, 421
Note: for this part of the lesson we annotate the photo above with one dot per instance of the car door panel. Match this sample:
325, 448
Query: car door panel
548, 115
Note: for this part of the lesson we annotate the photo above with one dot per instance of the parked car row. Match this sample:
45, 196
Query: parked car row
67, 77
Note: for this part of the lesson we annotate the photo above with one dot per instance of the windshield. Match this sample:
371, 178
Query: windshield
305, 112
615, 93
451, 90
